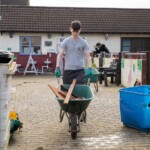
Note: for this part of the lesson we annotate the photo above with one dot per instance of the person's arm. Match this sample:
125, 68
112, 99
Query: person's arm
88, 58
62, 49
87, 54
106, 49
59, 57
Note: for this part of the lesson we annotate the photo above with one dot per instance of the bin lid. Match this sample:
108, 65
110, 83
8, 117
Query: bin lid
6, 54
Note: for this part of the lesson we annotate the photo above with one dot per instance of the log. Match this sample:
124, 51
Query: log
65, 89
74, 96
55, 90
64, 94
60, 94
66, 101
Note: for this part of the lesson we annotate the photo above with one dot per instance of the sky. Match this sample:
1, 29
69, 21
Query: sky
93, 3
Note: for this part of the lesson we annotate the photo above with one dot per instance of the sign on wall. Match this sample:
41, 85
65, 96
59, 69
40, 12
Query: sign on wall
48, 43
122, 63
139, 64
131, 70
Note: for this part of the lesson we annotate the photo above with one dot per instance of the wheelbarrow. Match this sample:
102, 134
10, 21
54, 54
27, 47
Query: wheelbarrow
75, 110
93, 78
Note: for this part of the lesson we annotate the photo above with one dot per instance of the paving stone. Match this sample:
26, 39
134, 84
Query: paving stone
39, 110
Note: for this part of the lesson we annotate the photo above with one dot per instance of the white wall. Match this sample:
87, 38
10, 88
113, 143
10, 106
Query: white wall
6, 42
113, 42
13, 43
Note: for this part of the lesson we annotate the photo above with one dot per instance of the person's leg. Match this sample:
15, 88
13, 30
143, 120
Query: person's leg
69, 75
80, 75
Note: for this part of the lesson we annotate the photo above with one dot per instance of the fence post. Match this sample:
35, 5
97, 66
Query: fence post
148, 65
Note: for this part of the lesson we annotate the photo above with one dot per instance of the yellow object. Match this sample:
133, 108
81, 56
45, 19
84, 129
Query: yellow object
93, 62
94, 65
13, 115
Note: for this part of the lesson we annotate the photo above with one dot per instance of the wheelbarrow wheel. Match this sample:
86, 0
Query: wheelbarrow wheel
74, 135
73, 126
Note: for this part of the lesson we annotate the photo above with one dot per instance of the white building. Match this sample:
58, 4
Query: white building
39, 29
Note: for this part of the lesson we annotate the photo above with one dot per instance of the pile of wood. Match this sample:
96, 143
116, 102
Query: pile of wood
66, 94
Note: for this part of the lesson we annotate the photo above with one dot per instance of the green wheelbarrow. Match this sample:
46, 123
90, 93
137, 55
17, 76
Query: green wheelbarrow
94, 78
75, 110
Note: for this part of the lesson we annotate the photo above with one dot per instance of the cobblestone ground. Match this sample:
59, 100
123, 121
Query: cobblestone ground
39, 111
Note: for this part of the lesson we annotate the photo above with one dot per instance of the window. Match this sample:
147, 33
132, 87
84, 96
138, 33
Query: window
126, 45
30, 44
135, 44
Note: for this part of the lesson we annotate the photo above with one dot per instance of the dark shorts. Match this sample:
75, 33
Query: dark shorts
69, 75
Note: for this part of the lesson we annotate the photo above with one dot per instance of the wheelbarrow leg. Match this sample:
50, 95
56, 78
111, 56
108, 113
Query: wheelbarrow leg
61, 116
82, 116
96, 86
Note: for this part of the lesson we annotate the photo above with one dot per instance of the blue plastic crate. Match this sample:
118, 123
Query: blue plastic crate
135, 107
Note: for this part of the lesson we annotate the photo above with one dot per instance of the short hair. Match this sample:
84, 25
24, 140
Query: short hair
76, 25
98, 44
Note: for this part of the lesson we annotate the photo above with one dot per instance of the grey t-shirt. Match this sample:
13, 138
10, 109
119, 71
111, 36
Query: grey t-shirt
74, 50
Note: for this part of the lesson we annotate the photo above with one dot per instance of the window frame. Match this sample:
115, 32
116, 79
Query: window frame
143, 39
30, 44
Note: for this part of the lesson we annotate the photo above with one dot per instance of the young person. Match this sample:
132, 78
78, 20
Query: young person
76, 50
100, 48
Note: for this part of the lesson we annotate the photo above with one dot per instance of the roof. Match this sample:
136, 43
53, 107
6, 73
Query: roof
57, 19
14, 2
